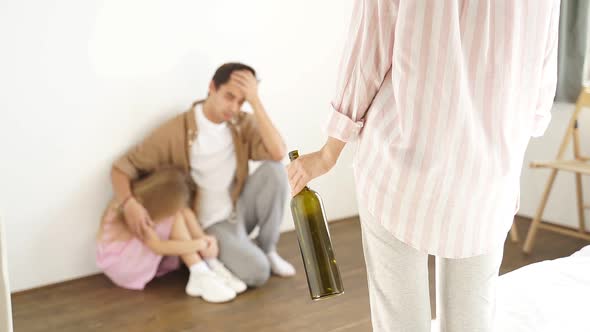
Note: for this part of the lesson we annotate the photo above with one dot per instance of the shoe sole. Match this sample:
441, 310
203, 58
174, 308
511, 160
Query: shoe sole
199, 294
240, 291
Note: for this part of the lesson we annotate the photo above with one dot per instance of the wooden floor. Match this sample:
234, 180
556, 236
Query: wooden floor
94, 304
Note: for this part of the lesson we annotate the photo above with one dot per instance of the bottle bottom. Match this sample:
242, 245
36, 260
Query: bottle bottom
326, 296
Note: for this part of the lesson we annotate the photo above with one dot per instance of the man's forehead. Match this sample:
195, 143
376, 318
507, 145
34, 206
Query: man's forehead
232, 88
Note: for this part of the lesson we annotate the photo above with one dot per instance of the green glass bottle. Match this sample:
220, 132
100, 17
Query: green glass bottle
323, 276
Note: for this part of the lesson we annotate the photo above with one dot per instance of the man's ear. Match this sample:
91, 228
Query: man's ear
212, 87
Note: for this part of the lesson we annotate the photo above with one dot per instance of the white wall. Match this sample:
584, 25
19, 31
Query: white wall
561, 207
80, 81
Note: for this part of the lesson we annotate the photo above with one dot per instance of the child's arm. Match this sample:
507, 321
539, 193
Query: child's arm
212, 249
172, 247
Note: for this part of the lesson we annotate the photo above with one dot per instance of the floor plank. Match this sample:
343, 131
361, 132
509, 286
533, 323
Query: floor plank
94, 304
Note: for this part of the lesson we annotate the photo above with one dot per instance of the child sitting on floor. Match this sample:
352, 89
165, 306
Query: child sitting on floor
131, 262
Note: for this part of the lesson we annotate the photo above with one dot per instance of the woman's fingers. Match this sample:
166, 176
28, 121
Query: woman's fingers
293, 170
300, 181
298, 176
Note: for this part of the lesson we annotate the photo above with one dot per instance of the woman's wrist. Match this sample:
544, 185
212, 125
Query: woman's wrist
331, 150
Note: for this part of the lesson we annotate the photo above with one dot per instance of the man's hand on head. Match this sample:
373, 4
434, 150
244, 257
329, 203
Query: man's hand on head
247, 83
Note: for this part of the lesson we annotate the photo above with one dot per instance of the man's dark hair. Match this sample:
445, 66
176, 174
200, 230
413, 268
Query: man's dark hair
223, 73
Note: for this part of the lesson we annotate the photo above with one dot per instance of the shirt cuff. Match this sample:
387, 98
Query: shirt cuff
342, 127
540, 124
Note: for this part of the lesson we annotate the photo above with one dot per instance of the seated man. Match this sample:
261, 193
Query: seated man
212, 143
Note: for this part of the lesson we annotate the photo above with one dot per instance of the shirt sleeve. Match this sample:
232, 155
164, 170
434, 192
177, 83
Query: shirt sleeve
256, 148
155, 151
366, 59
548, 78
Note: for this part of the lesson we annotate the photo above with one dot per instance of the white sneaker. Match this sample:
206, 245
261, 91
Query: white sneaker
209, 286
279, 266
228, 278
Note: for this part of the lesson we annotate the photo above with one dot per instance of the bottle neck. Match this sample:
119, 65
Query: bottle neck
293, 155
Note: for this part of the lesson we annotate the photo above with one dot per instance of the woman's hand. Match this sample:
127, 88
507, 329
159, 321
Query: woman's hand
310, 166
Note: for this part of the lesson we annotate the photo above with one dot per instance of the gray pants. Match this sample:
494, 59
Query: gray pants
262, 204
398, 285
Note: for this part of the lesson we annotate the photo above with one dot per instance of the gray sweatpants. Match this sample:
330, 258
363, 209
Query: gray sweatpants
398, 285
262, 204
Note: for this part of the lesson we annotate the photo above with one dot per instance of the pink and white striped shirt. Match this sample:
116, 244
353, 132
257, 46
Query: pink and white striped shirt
447, 95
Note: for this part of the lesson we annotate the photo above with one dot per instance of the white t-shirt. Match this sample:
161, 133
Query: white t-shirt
213, 167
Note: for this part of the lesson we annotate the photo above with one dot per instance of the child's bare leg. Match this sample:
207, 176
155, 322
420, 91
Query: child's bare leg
192, 224
197, 232
202, 281
210, 254
181, 232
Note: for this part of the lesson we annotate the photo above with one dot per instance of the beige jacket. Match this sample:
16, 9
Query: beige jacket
169, 146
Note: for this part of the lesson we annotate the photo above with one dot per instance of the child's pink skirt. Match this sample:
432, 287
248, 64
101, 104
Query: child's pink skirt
131, 264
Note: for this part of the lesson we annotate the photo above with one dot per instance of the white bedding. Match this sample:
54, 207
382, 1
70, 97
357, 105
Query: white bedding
549, 296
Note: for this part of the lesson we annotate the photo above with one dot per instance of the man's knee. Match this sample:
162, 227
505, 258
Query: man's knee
257, 273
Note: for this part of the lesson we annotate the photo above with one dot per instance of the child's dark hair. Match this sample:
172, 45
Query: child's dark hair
223, 73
